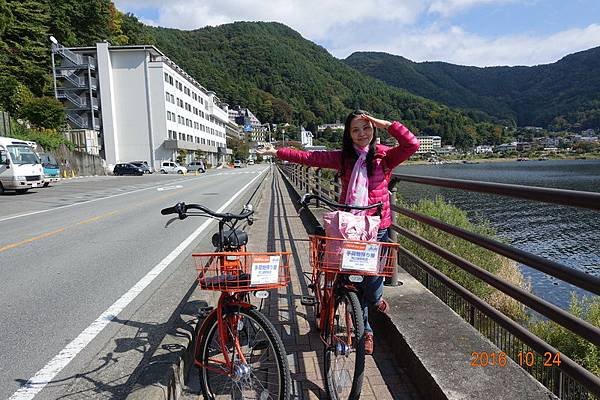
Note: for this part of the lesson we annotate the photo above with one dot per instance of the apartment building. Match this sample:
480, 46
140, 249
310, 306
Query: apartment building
254, 130
141, 104
429, 144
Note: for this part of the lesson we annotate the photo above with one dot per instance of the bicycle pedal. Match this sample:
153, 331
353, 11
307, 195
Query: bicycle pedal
308, 300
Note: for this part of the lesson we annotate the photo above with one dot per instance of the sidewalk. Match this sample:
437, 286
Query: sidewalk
278, 225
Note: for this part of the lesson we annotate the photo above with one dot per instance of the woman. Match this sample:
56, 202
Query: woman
365, 168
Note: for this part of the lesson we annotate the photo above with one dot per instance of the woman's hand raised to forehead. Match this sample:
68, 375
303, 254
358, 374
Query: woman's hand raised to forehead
377, 123
268, 150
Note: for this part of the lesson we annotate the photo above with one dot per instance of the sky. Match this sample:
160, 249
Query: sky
466, 32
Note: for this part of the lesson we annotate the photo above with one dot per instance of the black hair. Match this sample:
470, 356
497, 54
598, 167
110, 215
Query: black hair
349, 154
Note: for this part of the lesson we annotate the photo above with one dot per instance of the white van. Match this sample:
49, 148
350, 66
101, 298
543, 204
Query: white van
20, 168
170, 167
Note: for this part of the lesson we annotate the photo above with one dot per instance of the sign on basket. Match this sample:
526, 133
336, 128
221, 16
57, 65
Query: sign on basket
265, 270
360, 256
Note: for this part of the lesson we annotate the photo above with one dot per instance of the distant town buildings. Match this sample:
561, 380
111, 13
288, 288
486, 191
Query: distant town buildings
336, 126
429, 144
251, 126
138, 104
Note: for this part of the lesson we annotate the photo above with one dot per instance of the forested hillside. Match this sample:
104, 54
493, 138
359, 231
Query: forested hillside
267, 67
562, 95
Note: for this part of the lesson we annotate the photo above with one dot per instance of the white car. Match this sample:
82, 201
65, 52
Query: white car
169, 167
251, 162
237, 164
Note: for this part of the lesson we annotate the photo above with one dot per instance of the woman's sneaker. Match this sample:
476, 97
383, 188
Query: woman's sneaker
382, 306
368, 343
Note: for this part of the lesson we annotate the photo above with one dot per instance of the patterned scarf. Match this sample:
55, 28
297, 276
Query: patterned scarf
358, 187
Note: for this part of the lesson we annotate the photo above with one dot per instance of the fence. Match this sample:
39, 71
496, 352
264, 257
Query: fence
567, 380
5, 124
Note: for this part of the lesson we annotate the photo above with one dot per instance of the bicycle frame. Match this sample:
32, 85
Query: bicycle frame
326, 297
226, 300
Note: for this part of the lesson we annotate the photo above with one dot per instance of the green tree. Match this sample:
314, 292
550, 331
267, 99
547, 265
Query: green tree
27, 41
44, 112
13, 94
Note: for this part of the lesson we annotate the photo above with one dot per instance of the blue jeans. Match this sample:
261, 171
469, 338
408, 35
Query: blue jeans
372, 286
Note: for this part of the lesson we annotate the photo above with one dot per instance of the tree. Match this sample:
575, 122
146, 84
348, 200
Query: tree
13, 94
44, 112
27, 41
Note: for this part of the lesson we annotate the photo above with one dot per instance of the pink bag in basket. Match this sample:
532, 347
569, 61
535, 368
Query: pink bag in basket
345, 225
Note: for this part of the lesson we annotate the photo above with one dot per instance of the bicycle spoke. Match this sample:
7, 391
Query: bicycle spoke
260, 376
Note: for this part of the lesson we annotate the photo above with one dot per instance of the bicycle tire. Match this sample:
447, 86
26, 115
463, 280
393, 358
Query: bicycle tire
209, 381
337, 379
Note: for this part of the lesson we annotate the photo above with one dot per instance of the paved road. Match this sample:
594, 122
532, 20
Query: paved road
69, 252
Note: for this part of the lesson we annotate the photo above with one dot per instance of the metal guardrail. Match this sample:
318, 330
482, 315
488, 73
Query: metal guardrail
569, 380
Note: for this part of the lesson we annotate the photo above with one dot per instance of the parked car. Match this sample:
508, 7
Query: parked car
251, 162
142, 165
170, 167
196, 166
237, 164
127, 169
51, 169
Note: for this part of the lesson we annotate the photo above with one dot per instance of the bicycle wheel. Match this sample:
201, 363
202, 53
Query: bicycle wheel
265, 375
345, 355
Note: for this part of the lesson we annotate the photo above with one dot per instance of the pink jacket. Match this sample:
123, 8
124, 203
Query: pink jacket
386, 159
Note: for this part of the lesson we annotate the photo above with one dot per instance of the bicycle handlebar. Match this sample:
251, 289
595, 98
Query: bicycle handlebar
182, 208
307, 197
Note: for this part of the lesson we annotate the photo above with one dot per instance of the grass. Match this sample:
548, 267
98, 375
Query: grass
500, 266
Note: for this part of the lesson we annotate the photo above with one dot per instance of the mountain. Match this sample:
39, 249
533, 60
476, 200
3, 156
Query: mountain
283, 77
267, 67
524, 95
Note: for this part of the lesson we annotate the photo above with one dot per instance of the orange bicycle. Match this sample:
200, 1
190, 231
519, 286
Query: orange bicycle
238, 351
338, 267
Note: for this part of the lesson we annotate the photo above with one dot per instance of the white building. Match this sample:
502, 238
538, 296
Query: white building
483, 149
141, 104
306, 137
334, 127
255, 131
429, 144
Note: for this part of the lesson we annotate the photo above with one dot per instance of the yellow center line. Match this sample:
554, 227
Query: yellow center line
86, 221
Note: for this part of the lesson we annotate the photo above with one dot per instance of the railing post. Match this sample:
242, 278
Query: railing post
304, 179
296, 174
393, 280
336, 187
318, 184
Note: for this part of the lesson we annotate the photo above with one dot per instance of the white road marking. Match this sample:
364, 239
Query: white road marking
164, 188
88, 201
34, 385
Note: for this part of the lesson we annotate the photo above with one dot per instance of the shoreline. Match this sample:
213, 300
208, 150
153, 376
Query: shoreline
495, 160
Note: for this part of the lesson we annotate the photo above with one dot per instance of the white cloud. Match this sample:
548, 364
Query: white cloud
392, 26
454, 45
447, 8
312, 18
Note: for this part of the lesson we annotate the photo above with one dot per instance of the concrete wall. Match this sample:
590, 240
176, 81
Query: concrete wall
82, 164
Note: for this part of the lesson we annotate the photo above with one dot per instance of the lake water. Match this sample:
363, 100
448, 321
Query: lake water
568, 235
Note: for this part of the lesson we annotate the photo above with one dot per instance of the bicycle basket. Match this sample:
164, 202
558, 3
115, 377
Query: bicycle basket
354, 257
241, 271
